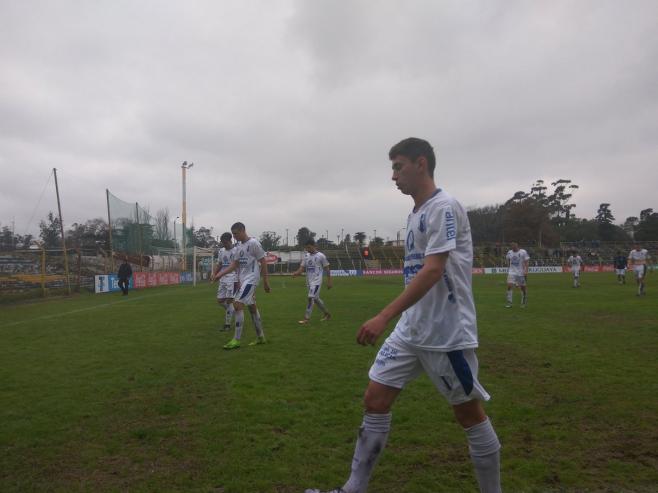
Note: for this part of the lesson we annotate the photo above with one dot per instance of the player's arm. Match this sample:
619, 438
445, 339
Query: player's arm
299, 271
428, 276
234, 265
264, 274
327, 271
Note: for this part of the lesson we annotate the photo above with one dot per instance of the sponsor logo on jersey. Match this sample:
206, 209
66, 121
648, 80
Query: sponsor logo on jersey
451, 230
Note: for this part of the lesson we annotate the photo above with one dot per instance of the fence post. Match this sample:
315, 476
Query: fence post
43, 270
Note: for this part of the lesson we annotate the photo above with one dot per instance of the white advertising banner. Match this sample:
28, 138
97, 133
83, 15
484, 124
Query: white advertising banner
539, 269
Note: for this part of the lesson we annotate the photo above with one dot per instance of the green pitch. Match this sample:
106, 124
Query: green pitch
106, 393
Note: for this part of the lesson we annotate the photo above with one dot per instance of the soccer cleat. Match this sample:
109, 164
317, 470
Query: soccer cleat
259, 340
232, 344
303, 322
226, 327
508, 305
326, 317
336, 490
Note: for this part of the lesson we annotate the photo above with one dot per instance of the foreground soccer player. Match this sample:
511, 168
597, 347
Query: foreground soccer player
227, 286
437, 332
517, 275
314, 263
575, 262
250, 260
638, 259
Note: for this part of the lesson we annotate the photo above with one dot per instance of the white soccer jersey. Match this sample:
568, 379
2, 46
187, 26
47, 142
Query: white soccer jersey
575, 262
444, 319
225, 258
248, 254
638, 257
314, 263
516, 261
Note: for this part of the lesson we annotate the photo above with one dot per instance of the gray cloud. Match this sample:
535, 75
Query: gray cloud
288, 108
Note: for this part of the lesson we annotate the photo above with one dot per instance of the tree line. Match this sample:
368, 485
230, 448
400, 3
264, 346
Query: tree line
543, 215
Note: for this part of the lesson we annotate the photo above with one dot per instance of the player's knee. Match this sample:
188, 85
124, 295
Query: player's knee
469, 413
374, 402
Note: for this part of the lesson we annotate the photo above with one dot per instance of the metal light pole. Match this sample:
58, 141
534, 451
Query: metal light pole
184, 168
175, 242
398, 235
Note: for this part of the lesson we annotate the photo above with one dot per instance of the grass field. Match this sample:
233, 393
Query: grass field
103, 393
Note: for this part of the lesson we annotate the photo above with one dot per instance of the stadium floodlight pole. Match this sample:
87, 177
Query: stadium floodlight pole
109, 228
175, 242
184, 168
398, 235
61, 227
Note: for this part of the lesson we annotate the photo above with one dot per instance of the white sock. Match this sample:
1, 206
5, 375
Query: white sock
309, 309
239, 322
321, 306
229, 313
484, 447
509, 296
369, 445
258, 324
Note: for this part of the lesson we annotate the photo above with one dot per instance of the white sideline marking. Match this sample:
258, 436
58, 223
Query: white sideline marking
55, 315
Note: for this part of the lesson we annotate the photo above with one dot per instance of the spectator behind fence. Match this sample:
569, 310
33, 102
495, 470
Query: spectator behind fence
124, 275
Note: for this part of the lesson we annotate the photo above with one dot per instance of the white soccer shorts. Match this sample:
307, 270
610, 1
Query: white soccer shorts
226, 290
621, 272
517, 279
640, 271
314, 290
246, 294
454, 373
575, 272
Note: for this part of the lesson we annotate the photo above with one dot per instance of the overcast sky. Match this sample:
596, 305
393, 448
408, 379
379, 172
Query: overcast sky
288, 108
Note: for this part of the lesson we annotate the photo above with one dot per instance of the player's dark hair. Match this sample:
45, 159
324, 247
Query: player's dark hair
226, 237
413, 148
310, 241
238, 227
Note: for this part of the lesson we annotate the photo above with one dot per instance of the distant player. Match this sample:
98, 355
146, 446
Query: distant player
638, 259
229, 283
621, 262
249, 258
437, 330
314, 263
574, 261
517, 274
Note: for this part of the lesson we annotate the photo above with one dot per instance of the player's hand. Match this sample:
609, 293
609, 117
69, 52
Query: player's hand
371, 330
266, 286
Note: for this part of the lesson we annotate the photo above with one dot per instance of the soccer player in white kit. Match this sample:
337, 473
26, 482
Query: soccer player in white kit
437, 332
227, 286
575, 261
315, 263
250, 260
637, 260
517, 273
